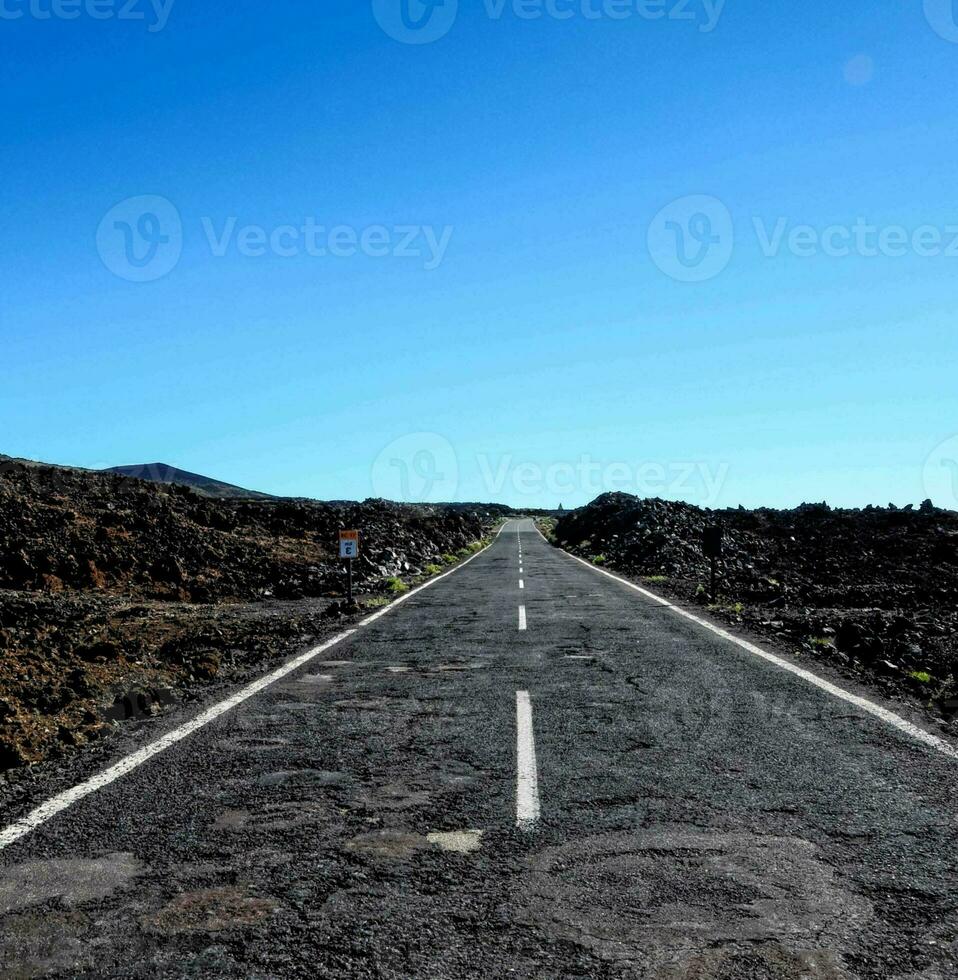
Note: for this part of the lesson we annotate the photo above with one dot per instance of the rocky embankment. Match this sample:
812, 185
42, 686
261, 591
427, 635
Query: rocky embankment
872, 592
119, 596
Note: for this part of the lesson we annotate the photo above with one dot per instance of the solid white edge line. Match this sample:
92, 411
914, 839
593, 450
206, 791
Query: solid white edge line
527, 777
522, 617
889, 717
56, 804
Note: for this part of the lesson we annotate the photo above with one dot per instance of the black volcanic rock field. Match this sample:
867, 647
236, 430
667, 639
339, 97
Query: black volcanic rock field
118, 596
871, 592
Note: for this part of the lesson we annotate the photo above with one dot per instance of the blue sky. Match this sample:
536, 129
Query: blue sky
535, 340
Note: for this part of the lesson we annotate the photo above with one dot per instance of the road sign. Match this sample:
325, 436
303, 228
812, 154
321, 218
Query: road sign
712, 542
712, 548
349, 544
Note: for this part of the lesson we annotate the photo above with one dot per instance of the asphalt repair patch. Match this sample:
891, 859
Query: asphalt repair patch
686, 903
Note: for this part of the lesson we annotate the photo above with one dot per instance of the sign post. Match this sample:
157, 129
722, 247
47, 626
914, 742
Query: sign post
348, 551
712, 549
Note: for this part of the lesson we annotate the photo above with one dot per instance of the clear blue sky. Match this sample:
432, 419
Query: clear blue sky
552, 352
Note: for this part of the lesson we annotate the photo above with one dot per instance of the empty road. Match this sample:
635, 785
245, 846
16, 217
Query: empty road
525, 769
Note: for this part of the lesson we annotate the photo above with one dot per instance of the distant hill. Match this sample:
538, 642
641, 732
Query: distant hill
164, 473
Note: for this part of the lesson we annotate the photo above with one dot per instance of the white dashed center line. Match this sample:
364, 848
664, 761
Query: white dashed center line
522, 584
527, 778
522, 617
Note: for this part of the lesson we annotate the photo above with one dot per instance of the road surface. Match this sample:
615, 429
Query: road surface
526, 769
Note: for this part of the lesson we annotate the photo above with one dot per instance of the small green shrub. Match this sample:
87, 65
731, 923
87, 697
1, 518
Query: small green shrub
736, 608
433, 569
374, 602
471, 548
547, 526
921, 675
396, 585
654, 579
449, 559
821, 641
598, 559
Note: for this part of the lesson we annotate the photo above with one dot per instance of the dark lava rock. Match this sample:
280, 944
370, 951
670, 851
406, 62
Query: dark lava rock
64, 529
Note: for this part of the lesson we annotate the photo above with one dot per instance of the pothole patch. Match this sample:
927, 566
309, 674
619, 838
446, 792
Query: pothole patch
272, 817
210, 910
393, 797
232, 820
297, 706
364, 704
768, 960
456, 776
250, 743
457, 841
74, 881
38, 945
302, 777
387, 844
662, 896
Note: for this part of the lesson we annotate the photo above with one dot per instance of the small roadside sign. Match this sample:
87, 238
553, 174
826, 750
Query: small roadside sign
712, 548
712, 542
349, 544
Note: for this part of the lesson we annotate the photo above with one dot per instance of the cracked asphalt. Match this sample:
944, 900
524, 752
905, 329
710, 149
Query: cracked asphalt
703, 814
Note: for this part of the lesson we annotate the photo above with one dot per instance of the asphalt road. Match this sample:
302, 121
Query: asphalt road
612, 791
